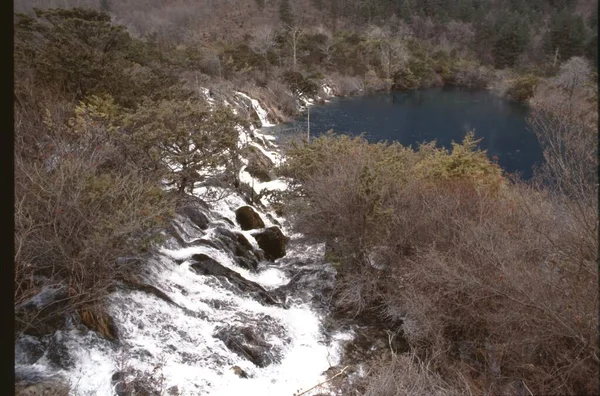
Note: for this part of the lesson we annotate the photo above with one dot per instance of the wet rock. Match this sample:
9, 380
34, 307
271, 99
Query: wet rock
237, 370
58, 352
53, 387
226, 220
118, 383
251, 344
245, 253
227, 238
206, 242
248, 219
246, 263
196, 215
259, 165
47, 296
205, 265
29, 375
272, 242
28, 350
238, 245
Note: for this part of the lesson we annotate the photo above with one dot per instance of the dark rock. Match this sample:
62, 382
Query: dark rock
218, 245
237, 370
243, 242
250, 344
28, 350
273, 219
47, 296
58, 353
259, 165
237, 244
203, 262
204, 265
173, 232
196, 216
28, 375
245, 253
272, 242
227, 238
54, 387
250, 265
118, 382
248, 219
136, 285
226, 220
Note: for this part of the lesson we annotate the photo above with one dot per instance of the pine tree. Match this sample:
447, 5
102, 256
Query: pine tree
567, 34
285, 13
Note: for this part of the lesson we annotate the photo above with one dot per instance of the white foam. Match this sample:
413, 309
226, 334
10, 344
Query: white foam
260, 112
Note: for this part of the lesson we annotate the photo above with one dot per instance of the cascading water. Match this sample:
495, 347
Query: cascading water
205, 322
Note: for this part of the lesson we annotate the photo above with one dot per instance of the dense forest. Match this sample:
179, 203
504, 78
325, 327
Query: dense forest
361, 45
491, 282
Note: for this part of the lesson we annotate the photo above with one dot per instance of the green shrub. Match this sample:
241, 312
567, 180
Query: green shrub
298, 83
522, 88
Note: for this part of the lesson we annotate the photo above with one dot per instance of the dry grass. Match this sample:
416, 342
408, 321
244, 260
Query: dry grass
96, 318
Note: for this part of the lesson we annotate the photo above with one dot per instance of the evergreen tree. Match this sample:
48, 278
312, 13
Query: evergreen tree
567, 34
285, 13
513, 36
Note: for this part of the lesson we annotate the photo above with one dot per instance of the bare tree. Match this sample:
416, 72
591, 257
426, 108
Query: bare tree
565, 123
293, 36
263, 41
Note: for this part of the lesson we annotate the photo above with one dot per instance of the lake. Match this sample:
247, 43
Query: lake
443, 114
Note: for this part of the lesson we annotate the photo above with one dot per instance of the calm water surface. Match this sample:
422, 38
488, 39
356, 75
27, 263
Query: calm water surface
444, 115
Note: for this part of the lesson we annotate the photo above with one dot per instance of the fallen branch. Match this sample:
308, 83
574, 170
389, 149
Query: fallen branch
324, 382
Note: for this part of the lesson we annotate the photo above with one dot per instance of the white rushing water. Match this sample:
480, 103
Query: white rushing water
152, 331
262, 113
177, 342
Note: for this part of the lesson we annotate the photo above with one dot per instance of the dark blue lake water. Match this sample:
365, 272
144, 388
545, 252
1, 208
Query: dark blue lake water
421, 116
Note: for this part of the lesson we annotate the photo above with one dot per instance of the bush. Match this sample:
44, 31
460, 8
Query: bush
475, 272
299, 84
75, 218
523, 88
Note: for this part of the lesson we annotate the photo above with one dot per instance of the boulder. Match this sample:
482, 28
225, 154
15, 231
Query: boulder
58, 352
272, 241
248, 219
47, 296
250, 341
245, 253
196, 216
49, 388
28, 350
237, 370
238, 245
259, 165
204, 265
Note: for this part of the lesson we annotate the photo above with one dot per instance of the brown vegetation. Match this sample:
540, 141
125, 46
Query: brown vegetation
101, 122
493, 283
